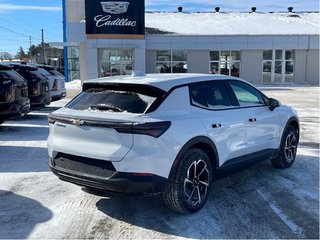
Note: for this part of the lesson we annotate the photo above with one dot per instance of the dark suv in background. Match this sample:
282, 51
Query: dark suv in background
38, 85
14, 99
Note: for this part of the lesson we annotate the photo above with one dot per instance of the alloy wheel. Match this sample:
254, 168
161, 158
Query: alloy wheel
196, 182
290, 147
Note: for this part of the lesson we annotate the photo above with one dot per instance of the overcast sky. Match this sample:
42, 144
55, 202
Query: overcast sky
20, 19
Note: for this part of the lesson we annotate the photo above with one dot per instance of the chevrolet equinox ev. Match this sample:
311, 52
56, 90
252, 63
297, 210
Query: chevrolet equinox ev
168, 133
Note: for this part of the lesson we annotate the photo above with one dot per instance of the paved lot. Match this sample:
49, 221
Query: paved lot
259, 202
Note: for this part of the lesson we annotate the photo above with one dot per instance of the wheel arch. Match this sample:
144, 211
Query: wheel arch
294, 122
203, 143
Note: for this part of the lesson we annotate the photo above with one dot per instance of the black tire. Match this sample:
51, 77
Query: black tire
288, 148
191, 183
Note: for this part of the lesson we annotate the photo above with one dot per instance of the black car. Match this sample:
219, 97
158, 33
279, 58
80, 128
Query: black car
38, 85
14, 99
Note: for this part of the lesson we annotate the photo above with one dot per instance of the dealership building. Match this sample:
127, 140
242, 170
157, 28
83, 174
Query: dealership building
106, 38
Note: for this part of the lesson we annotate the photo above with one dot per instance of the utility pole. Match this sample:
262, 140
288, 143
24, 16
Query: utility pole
42, 44
30, 55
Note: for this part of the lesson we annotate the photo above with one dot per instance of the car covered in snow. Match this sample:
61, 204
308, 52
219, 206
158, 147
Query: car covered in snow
56, 80
168, 133
14, 99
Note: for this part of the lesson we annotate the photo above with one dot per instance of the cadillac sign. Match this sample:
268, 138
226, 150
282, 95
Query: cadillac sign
114, 17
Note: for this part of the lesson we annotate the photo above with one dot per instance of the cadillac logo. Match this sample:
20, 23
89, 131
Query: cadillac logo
115, 7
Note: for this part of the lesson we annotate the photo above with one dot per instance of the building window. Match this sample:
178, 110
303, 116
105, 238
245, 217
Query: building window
114, 62
171, 61
225, 62
277, 66
73, 63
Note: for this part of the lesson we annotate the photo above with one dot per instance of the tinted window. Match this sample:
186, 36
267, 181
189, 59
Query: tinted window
30, 74
10, 75
246, 94
112, 100
43, 72
55, 72
210, 95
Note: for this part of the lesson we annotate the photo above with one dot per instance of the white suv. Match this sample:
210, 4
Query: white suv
169, 133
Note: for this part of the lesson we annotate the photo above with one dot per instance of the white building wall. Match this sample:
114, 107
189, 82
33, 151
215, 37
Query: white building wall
74, 10
300, 62
312, 68
150, 61
251, 65
82, 63
198, 61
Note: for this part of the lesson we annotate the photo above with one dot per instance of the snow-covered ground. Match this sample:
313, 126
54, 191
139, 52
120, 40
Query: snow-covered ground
258, 202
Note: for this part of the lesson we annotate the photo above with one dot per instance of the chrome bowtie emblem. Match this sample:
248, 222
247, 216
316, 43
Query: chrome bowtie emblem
77, 122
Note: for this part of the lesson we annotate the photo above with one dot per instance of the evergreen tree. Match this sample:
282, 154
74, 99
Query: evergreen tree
21, 54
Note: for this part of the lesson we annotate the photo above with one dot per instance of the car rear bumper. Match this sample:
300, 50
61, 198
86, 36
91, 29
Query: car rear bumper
10, 110
40, 101
57, 95
100, 174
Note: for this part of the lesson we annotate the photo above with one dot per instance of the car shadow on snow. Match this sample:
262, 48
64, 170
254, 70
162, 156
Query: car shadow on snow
23, 159
237, 208
23, 133
19, 215
38, 117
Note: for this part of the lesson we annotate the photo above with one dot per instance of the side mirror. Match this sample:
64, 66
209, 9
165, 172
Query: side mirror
273, 103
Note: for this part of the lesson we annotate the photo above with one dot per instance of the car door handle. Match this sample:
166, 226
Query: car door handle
252, 119
217, 125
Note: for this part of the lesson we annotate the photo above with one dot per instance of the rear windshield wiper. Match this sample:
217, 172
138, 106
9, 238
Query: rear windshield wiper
106, 107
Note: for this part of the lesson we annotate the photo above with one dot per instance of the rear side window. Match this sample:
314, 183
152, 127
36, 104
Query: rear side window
113, 100
211, 95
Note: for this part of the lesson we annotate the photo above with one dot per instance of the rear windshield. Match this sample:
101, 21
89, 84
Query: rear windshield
10, 75
43, 72
113, 100
55, 72
30, 74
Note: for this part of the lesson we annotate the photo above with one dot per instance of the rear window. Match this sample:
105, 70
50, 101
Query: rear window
10, 75
30, 74
113, 100
55, 72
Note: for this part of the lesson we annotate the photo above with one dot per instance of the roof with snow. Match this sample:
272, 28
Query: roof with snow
221, 23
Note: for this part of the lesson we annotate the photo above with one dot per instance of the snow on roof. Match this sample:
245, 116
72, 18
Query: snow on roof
219, 23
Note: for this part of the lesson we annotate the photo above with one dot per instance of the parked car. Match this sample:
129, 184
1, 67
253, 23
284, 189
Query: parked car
56, 80
38, 85
14, 99
169, 133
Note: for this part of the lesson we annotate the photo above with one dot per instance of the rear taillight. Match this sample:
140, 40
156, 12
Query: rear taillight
154, 129
55, 85
35, 90
10, 94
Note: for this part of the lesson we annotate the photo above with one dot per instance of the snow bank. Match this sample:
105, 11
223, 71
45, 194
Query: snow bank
73, 85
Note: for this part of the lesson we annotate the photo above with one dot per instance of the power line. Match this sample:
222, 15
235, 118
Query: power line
21, 34
14, 31
19, 25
